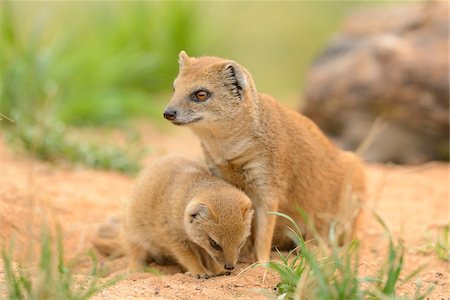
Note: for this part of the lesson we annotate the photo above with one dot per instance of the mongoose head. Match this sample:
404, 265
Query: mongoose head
208, 92
219, 221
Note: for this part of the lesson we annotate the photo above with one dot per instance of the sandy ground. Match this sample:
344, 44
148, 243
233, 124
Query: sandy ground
412, 200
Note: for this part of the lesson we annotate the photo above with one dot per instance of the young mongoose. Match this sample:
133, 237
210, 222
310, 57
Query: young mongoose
277, 156
179, 211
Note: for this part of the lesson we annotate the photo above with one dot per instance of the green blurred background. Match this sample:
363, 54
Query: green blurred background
76, 64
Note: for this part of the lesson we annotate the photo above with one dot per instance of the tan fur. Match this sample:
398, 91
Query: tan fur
176, 206
277, 156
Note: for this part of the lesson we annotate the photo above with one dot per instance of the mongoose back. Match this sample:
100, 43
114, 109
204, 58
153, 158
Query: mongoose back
277, 156
179, 211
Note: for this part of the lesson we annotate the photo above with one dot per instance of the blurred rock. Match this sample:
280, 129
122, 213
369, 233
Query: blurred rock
390, 62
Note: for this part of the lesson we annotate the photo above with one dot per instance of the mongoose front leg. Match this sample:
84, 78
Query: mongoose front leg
265, 226
212, 266
189, 259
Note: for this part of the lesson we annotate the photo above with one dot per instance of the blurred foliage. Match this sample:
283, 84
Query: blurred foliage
98, 72
103, 67
51, 142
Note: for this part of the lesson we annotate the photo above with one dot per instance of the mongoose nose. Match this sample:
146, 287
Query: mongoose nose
229, 267
170, 114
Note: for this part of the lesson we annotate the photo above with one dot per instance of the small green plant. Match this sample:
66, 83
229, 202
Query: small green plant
388, 277
290, 267
51, 278
325, 270
442, 244
438, 243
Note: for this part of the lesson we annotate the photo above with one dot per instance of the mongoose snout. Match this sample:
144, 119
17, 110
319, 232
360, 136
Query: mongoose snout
170, 114
229, 267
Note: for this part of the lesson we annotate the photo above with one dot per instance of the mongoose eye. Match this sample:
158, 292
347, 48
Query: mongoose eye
200, 96
214, 245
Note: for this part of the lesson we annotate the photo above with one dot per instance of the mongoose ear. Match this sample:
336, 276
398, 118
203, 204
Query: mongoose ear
182, 58
234, 79
197, 212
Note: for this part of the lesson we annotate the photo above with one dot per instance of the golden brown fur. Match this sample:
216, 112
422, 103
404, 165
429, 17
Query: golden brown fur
174, 211
277, 156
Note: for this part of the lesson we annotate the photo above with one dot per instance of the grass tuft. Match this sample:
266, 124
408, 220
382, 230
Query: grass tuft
438, 244
51, 278
53, 143
442, 243
290, 268
329, 271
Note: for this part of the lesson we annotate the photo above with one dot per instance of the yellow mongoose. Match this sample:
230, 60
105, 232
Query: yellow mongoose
179, 211
277, 156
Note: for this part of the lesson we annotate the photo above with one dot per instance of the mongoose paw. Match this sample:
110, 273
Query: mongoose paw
200, 276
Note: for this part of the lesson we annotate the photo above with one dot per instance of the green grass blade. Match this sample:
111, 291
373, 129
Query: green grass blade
12, 282
297, 228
